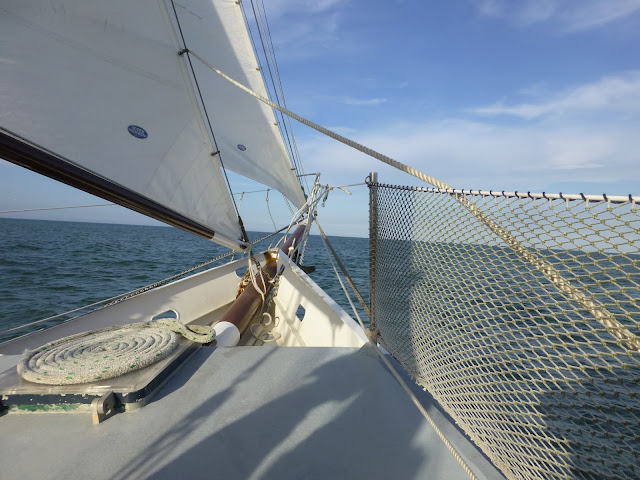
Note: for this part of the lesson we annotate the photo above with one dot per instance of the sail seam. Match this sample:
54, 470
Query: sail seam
270, 58
84, 48
186, 50
284, 101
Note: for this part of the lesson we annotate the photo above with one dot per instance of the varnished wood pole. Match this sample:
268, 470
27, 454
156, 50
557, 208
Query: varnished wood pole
249, 301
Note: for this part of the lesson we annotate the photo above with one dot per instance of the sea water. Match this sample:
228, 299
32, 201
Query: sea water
50, 267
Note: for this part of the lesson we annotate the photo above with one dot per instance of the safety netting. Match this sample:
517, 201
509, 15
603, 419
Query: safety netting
520, 314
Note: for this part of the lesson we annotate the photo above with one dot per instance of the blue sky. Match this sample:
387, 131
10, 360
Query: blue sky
539, 95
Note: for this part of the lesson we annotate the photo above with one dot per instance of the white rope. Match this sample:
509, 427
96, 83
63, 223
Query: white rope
269, 210
107, 353
265, 335
253, 191
286, 201
368, 151
262, 291
599, 312
308, 207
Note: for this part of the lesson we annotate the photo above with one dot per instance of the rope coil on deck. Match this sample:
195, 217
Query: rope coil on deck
107, 353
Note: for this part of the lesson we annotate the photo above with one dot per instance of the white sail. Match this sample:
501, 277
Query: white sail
246, 130
101, 84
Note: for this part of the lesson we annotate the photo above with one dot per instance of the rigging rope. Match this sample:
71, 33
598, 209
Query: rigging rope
269, 210
325, 131
58, 208
254, 191
288, 204
364, 305
392, 369
599, 312
297, 165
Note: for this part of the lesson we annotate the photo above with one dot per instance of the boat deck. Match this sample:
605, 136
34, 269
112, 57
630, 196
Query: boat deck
247, 412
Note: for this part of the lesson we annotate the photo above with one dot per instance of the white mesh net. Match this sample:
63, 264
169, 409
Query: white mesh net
519, 313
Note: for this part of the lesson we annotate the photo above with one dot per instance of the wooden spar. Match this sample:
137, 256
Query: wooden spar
249, 301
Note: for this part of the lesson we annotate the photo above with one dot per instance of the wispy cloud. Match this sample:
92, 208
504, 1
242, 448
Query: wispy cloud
306, 28
469, 154
277, 8
359, 102
567, 15
615, 93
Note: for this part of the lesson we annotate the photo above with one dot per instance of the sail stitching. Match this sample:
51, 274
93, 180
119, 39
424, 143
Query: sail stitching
182, 52
84, 48
270, 59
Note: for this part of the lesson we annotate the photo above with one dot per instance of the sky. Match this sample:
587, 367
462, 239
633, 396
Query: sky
527, 95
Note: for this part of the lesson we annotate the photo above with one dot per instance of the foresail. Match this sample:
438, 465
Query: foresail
100, 85
246, 131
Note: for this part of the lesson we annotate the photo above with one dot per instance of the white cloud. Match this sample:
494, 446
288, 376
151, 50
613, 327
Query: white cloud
616, 93
306, 28
358, 102
469, 154
592, 14
584, 138
278, 8
567, 15
519, 13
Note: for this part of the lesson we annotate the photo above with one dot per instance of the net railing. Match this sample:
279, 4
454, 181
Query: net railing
520, 314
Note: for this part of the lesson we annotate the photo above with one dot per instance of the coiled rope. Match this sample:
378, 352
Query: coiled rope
107, 353
114, 351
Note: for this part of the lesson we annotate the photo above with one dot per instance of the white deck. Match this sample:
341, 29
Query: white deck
245, 412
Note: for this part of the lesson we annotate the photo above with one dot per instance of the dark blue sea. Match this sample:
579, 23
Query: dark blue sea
49, 267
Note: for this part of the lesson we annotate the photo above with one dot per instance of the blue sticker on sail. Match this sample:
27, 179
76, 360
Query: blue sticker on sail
242, 148
137, 131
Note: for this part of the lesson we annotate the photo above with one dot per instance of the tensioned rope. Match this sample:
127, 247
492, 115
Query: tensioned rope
282, 126
364, 305
57, 208
368, 151
269, 210
372, 341
599, 312
359, 184
269, 57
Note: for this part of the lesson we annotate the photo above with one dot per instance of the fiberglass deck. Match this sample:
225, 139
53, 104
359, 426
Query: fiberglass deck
245, 412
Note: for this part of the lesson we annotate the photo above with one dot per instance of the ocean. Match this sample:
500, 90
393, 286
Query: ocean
573, 391
50, 267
